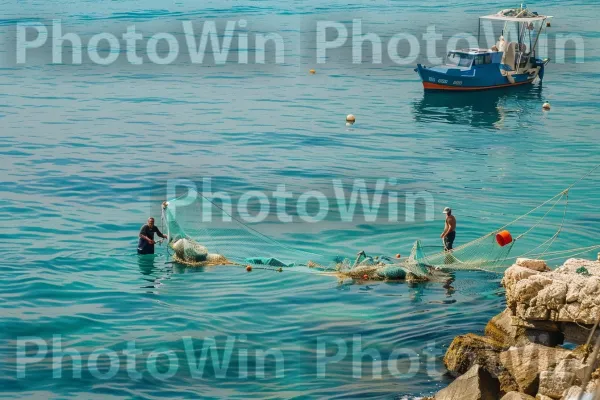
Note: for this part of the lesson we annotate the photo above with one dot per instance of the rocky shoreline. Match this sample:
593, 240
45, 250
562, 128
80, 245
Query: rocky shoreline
537, 347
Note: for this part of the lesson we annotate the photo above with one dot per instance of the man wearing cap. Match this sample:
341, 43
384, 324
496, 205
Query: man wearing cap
449, 230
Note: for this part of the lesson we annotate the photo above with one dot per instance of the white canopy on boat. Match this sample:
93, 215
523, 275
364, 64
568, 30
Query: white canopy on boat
516, 19
516, 15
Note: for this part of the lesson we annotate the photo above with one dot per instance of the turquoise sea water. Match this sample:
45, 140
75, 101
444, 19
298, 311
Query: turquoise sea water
88, 151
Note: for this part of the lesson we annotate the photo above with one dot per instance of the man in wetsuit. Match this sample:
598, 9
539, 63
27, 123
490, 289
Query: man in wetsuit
449, 230
146, 243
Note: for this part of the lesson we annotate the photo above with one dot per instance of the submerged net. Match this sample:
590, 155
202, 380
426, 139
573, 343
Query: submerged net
203, 234
220, 239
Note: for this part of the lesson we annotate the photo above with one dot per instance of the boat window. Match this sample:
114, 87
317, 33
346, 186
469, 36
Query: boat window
483, 59
459, 60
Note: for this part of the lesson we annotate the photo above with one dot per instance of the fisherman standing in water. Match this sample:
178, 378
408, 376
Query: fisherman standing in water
146, 243
449, 230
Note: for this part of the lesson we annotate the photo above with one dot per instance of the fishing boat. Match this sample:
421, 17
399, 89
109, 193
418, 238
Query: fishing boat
506, 64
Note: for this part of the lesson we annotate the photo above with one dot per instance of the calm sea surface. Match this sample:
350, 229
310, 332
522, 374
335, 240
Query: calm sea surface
88, 151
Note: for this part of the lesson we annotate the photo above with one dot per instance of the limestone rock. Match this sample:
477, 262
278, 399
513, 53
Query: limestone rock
512, 276
502, 329
547, 326
537, 312
573, 264
517, 396
553, 296
554, 383
574, 392
526, 363
476, 384
561, 295
468, 350
574, 366
465, 351
536, 265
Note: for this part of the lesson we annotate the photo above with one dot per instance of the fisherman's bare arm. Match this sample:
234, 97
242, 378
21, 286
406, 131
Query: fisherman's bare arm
446, 230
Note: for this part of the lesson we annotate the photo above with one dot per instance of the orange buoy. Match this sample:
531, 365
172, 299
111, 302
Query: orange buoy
350, 119
503, 238
365, 276
312, 71
248, 268
398, 255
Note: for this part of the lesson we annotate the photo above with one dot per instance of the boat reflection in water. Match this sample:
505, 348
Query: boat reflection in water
484, 109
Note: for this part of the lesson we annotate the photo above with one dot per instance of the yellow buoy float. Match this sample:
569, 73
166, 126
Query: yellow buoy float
546, 106
312, 71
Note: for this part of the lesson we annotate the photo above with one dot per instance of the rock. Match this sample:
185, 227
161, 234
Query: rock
524, 291
468, 350
475, 384
547, 326
573, 264
526, 363
561, 295
574, 366
536, 265
517, 396
553, 296
502, 329
573, 291
512, 276
554, 383
465, 351
537, 312
542, 397
573, 393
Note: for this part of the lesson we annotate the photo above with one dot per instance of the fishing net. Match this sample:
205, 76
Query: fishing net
202, 233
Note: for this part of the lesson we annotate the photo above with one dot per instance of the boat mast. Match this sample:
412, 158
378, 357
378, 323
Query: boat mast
538, 36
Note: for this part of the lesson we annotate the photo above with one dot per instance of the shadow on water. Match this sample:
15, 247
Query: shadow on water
485, 109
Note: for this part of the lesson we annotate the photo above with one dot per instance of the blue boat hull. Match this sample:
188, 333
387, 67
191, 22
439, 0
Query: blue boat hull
457, 80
